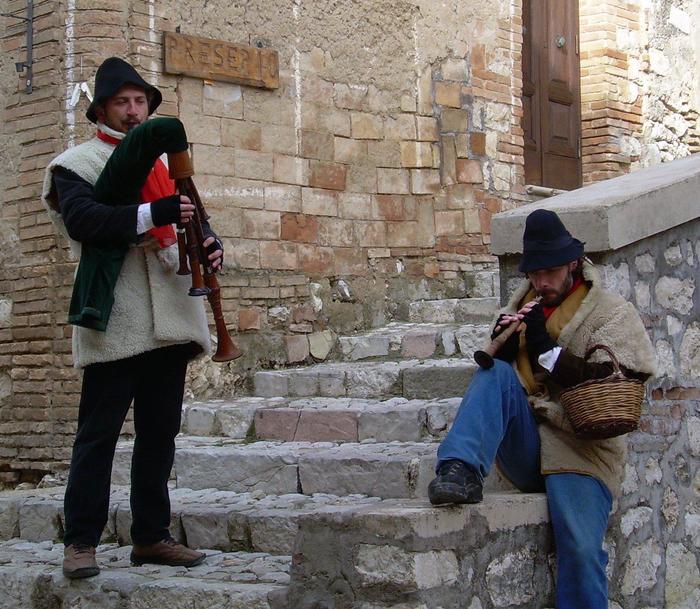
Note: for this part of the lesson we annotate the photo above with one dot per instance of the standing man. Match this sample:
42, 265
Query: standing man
511, 412
141, 353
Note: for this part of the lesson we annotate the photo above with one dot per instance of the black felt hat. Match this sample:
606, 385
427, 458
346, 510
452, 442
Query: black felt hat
111, 76
547, 243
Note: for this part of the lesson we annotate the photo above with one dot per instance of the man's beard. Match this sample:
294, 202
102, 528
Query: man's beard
560, 296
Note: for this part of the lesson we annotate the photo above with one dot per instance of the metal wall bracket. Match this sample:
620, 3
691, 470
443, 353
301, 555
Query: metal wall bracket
26, 66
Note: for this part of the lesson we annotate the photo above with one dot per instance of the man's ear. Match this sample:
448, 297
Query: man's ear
573, 266
100, 113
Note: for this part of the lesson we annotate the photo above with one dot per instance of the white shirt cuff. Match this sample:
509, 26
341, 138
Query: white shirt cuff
144, 222
549, 358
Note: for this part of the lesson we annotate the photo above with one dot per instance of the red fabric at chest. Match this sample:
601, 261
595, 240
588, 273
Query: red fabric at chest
158, 185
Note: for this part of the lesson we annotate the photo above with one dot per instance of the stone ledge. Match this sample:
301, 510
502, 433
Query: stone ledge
657, 198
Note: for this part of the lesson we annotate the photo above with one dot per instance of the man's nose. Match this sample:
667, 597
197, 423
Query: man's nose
131, 109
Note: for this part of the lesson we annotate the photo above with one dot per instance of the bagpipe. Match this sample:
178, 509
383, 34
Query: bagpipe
122, 179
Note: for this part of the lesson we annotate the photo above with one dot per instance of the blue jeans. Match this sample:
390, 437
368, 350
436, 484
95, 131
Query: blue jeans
494, 421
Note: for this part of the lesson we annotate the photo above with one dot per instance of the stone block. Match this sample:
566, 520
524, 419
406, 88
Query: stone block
317, 145
427, 129
297, 348
362, 347
399, 425
314, 259
469, 171
278, 255
376, 381
200, 420
370, 234
271, 384
283, 198
243, 468
299, 227
261, 224
419, 344
355, 206
249, 319
429, 382
350, 150
319, 202
276, 423
454, 121
321, 344
235, 422
336, 232
362, 179
326, 426
41, 521
240, 134
328, 175
449, 222
448, 94
253, 165
304, 383
366, 126
393, 181
477, 143
279, 139
401, 127
425, 181
290, 170
416, 154
207, 528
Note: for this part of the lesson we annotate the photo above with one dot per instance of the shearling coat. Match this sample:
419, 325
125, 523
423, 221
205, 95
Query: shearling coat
601, 318
152, 308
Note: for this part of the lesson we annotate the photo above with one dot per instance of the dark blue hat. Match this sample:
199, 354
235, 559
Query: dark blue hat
547, 243
111, 76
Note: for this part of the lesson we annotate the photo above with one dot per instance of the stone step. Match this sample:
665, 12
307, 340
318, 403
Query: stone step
394, 469
412, 379
321, 419
208, 518
454, 310
412, 340
494, 554
30, 576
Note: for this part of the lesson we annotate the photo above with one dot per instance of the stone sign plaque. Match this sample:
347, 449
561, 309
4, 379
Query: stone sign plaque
220, 60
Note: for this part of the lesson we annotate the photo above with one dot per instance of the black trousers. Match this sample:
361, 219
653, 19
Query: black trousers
154, 381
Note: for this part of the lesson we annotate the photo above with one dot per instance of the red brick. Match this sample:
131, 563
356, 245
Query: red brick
297, 347
303, 313
331, 176
300, 228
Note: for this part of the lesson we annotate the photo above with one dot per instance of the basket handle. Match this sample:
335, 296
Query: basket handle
608, 350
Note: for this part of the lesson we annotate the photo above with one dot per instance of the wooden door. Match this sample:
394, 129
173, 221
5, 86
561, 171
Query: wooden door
551, 93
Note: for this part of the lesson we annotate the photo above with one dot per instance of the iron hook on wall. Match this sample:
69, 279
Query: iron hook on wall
21, 66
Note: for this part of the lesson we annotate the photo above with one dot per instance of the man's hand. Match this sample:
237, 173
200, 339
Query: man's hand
175, 209
537, 338
215, 251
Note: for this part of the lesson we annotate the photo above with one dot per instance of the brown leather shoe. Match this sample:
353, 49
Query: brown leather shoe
167, 552
79, 561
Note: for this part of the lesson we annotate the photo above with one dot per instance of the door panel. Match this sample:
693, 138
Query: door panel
551, 93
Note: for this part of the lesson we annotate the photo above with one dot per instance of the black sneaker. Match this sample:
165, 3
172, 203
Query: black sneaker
456, 482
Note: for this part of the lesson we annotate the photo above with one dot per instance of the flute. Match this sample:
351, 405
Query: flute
485, 357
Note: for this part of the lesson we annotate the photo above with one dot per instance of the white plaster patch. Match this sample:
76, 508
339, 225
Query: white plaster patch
675, 294
652, 472
645, 263
673, 325
669, 508
630, 484
642, 295
690, 351
682, 578
641, 567
665, 358
5, 312
680, 19
511, 579
617, 279
692, 528
635, 519
673, 255
659, 63
694, 435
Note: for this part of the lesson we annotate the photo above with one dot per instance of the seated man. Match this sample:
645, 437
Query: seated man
511, 412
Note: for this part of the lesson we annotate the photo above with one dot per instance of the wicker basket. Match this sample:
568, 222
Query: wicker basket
604, 408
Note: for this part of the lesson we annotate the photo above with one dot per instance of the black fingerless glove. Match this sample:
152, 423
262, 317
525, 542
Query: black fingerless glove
536, 336
509, 350
166, 210
216, 245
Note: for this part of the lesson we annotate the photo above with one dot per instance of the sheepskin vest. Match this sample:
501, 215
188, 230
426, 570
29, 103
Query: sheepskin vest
151, 306
601, 318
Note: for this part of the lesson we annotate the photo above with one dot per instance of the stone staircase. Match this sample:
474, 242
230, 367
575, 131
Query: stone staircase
312, 494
